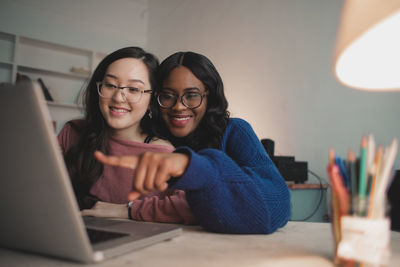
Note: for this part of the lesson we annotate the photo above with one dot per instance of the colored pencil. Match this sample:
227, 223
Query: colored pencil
362, 181
378, 209
339, 188
353, 180
378, 169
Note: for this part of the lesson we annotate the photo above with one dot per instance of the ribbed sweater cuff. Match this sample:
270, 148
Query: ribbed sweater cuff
196, 174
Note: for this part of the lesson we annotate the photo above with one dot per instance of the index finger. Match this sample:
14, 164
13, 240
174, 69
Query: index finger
120, 161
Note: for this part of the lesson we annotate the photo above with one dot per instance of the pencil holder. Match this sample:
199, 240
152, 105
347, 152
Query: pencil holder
360, 225
363, 240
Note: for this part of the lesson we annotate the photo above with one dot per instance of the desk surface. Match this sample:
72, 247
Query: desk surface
297, 244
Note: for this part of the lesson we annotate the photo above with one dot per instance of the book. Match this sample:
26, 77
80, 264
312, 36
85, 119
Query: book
46, 91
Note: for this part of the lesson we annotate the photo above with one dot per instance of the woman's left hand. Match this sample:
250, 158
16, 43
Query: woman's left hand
105, 209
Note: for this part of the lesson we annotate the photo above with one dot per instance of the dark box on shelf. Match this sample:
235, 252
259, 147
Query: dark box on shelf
291, 170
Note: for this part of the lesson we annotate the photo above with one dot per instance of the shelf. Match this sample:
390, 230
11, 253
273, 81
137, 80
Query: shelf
53, 46
52, 72
307, 186
64, 105
6, 63
53, 58
7, 47
64, 70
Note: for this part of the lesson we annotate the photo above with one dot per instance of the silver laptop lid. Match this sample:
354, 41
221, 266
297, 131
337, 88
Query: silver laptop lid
37, 203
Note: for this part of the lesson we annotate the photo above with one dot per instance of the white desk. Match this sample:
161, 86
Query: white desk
297, 244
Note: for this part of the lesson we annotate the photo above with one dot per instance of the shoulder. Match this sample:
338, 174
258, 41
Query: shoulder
124, 147
74, 126
70, 133
159, 141
238, 122
238, 126
240, 141
77, 125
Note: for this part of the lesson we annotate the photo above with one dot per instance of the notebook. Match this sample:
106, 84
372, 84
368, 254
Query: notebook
39, 212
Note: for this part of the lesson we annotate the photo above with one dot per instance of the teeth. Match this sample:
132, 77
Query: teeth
119, 110
181, 119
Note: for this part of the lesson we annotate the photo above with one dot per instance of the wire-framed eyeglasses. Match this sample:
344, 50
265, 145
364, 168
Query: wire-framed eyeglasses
129, 93
190, 100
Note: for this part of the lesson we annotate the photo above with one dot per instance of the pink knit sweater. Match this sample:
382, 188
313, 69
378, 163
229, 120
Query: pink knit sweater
115, 183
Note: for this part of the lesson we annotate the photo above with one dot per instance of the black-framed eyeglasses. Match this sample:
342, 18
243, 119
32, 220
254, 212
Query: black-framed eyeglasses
129, 93
190, 100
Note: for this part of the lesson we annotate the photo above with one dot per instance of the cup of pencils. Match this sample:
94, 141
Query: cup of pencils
360, 226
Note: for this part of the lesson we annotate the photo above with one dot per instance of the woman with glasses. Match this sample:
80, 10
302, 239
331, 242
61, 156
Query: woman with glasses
231, 184
118, 122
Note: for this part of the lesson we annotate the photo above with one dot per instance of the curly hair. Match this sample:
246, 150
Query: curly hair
209, 132
94, 132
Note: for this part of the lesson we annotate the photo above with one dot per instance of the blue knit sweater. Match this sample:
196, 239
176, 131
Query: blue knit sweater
236, 189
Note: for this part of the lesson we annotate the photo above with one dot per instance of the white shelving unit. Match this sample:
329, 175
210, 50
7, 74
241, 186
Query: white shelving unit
54, 64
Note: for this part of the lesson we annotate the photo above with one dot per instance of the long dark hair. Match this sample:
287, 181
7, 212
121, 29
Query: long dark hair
212, 126
94, 132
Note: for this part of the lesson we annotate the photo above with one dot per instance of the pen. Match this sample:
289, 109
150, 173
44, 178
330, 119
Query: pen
370, 163
353, 180
331, 156
378, 209
339, 188
343, 171
363, 174
378, 168
335, 203
370, 155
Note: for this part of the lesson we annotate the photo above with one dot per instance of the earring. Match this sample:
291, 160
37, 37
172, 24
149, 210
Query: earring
150, 114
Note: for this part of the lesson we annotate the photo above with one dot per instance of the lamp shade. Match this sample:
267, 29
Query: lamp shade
367, 51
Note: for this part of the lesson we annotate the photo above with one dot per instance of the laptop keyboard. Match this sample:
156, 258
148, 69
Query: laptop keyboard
97, 236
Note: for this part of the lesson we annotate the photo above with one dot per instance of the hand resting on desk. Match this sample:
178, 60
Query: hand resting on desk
107, 210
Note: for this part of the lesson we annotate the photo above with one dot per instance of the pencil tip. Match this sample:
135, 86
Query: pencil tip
331, 156
351, 156
364, 142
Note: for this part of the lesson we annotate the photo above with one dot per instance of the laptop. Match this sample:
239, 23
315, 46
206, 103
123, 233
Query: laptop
39, 212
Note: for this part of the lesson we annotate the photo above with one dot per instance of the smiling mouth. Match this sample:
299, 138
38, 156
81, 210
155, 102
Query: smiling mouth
116, 110
180, 120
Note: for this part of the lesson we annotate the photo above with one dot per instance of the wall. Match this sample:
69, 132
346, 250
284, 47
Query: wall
275, 59
273, 55
98, 25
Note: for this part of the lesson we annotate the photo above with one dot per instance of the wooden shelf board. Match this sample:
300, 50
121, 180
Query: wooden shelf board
4, 62
64, 105
52, 72
53, 46
307, 186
